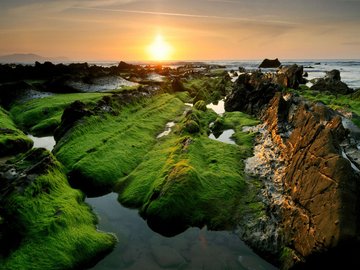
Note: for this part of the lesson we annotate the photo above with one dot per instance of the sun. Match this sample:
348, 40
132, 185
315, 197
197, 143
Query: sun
159, 50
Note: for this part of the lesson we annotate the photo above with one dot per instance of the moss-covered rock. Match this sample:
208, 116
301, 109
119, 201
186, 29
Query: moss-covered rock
200, 105
44, 223
187, 181
103, 147
42, 116
12, 140
191, 126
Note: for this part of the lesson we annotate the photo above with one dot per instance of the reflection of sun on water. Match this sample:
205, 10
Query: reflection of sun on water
159, 50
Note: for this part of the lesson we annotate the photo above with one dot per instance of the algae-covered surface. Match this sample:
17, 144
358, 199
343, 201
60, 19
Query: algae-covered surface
153, 151
344, 103
42, 115
12, 140
105, 148
45, 224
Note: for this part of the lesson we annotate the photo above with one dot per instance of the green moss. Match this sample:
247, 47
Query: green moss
41, 116
191, 126
207, 88
47, 224
102, 149
350, 103
12, 140
236, 121
187, 180
200, 105
191, 180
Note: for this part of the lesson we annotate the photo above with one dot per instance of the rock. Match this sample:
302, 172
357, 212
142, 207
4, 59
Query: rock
320, 183
333, 75
191, 126
331, 83
305, 74
76, 111
177, 85
290, 76
250, 93
200, 105
124, 66
269, 63
166, 256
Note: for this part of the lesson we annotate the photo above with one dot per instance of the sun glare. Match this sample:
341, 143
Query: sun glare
159, 50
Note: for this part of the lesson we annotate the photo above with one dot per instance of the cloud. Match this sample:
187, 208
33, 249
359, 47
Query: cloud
144, 12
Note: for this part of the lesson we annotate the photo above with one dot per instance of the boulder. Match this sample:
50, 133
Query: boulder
250, 93
333, 75
270, 63
290, 76
332, 83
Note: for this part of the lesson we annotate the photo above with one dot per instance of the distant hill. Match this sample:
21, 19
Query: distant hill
29, 58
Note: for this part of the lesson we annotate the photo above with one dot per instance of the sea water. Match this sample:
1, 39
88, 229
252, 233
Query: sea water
141, 248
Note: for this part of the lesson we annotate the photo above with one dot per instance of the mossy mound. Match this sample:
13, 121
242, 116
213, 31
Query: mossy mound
190, 180
45, 224
103, 148
187, 181
12, 140
208, 88
42, 116
200, 105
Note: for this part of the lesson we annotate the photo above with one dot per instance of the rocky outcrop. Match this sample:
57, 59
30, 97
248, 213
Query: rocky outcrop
290, 76
251, 93
332, 83
320, 185
270, 63
311, 182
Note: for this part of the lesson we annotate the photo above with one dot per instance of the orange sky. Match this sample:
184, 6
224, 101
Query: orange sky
196, 30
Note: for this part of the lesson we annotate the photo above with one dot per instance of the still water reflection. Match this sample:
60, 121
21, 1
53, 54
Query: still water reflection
141, 248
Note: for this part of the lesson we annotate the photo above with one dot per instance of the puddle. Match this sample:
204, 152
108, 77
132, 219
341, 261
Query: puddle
218, 108
141, 248
167, 130
225, 137
43, 142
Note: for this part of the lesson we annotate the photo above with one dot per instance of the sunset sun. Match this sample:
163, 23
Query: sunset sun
159, 50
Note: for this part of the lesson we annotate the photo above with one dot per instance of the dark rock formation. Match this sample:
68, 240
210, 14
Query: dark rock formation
269, 63
11, 92
250, 93
332, 83
76, 111
290, 76
177, 85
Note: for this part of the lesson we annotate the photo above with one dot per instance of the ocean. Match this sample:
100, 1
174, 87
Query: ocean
349, 69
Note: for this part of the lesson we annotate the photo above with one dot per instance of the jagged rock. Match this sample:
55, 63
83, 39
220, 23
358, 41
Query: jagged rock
269, 63
320, 216
332, 83
316, 186
290, 76
250, 94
